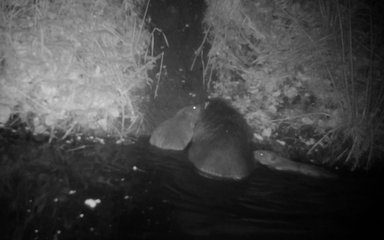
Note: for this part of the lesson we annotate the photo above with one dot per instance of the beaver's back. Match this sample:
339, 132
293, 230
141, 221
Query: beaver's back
220, 145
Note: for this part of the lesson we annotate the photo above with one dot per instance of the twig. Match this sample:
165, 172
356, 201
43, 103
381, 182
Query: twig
299, 116
320, 141
159, 76
69, 130
76, 148
200, 48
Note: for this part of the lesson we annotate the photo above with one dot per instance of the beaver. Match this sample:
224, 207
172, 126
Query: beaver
274, 161
176, 132
221, 142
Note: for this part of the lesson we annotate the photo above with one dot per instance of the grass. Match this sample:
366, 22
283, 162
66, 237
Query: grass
363, 96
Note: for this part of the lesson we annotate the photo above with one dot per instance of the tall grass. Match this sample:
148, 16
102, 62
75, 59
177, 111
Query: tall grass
363, 96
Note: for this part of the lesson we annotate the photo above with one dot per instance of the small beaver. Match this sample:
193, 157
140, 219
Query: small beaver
176, 132
221, 142
274, 161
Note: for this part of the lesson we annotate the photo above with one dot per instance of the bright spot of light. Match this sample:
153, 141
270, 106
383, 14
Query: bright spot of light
134, 168
92, 203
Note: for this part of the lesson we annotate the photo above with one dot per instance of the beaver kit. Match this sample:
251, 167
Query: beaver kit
176, 132
221, 142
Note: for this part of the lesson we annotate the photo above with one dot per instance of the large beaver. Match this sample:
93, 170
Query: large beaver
221, 142
176, 132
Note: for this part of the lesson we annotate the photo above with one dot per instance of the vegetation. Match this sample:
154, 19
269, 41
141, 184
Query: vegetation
306, 74
74, 65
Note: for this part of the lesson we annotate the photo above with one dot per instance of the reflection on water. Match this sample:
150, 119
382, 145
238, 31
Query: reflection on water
268, 204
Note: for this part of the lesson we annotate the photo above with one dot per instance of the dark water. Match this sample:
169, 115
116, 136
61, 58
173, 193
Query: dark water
166, 197
267, 205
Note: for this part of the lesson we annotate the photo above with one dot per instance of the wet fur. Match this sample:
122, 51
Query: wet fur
176, 132
220, 145
274, 161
